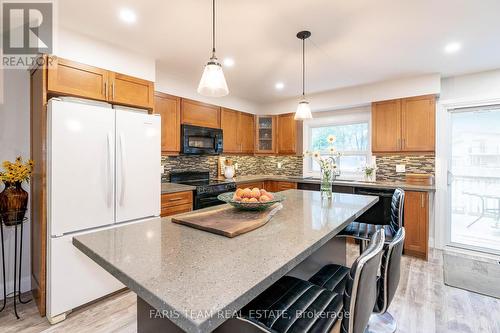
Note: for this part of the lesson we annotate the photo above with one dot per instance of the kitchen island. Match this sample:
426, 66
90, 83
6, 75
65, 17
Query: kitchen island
191, 280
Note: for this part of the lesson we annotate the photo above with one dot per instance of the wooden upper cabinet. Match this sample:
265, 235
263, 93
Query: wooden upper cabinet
287, 134
132, 91
416, 223
229, 121
386, 126
265, 134
238, 131
169, 108
199, 114
404, 125
247, 133
418, 124
66, 77
72, 78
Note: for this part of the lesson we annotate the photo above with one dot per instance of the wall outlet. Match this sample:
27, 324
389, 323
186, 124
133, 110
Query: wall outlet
235, 166
400, 168
280, 165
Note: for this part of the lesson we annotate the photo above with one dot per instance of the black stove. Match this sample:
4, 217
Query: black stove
207, 189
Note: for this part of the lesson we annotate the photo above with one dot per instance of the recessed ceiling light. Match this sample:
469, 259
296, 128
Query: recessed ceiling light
452, 47
127, 15
279, 85
229, 62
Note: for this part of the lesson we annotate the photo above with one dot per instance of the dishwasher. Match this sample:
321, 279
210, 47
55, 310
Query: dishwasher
380, 213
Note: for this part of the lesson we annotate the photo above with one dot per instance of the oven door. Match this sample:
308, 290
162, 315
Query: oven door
207, 201
201, 140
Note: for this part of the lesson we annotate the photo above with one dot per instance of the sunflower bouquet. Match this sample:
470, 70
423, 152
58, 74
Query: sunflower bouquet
16, 172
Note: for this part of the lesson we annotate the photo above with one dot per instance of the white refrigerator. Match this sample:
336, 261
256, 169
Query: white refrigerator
103, 170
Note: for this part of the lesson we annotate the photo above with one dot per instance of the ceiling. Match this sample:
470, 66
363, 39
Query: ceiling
353, 42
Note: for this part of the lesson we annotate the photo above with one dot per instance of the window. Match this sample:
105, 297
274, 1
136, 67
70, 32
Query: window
352, 130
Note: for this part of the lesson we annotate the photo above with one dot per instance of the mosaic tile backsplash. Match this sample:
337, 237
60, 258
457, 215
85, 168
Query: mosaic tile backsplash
386, 165
292, 165
247, 165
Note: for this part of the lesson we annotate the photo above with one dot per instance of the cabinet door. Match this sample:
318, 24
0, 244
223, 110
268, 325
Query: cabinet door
416, 220
169, 108
131, 91
246, 133
67, 77
199, 114
283, 186
287, 134
229, 121
265, 135
386, 126
419, 123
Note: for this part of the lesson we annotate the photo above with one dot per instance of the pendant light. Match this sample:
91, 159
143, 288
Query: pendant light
303, 110
213, 83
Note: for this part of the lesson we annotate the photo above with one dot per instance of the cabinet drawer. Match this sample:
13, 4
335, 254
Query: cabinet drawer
173, 210
175, 199
283, 186
259, 185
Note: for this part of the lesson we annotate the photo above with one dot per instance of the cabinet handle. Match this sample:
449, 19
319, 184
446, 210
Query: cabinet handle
403, 145
113, 89
422, 200
399, 143
106, 89
175, 199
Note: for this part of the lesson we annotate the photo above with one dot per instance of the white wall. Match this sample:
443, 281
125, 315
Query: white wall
177, 86
463, 90
78, 47
361, 95
15, 141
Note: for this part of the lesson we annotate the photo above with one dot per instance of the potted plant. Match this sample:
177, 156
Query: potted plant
14, 199
369, 172
328, 166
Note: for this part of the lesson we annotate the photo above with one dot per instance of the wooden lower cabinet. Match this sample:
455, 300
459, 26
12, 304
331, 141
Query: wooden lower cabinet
283, 186
176, 203
416, 223
259, 185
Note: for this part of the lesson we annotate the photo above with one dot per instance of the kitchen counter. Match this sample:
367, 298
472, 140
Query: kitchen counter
174, 188
198, 278
353, 183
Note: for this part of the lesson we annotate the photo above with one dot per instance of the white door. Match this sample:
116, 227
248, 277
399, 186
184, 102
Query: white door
73, 278
81, 166
138, 162
474, 179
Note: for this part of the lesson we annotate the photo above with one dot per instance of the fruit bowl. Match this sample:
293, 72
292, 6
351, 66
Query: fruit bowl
228, 198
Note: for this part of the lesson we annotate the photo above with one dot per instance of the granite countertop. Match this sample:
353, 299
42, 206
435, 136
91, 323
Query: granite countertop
198, 275
353, 183
174, 188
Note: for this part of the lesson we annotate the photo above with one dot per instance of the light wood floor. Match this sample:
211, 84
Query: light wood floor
423, 304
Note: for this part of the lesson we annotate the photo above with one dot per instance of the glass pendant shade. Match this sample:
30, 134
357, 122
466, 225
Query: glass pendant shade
303, 111
213, 83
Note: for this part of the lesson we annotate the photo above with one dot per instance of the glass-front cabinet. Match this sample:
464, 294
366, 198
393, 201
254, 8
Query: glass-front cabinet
266, 135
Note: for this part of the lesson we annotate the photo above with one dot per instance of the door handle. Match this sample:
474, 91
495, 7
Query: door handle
123, 170
110, 172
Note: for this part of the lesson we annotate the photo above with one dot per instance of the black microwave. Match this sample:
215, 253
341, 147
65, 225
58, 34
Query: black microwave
201, 140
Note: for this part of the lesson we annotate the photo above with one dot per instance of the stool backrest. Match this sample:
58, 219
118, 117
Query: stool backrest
397, 209
360, 292
390, 270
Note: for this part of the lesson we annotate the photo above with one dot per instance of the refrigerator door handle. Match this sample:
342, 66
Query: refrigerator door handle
122, 166
110, 172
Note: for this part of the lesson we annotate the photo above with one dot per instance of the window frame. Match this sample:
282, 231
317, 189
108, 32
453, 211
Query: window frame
338, 118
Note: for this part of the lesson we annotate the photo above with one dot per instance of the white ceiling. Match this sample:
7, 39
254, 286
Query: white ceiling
353, 42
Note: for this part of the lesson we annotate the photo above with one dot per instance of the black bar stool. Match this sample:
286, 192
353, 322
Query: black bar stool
364, 231
294, 305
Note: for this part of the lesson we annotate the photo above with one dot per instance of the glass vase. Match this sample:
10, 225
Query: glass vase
327, 178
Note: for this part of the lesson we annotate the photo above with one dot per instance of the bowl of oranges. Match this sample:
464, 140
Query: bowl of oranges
251, 198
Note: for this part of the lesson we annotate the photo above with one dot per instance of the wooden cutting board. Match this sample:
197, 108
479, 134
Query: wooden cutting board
227, 220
